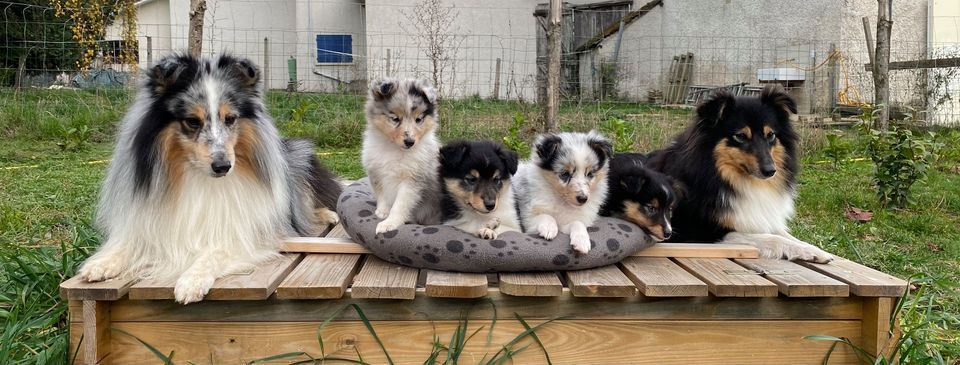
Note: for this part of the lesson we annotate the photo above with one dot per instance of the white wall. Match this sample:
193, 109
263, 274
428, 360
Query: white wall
945, 42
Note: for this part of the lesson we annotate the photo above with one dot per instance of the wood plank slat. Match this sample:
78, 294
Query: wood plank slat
863, 281
382, 280
76, 289
444, 284
319, 276
724, 278
795, 280
258, 284
96, 329
539, 284
660, 277
606, 281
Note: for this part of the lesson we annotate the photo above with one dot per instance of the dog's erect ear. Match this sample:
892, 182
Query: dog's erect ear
775, 96
382, 89
452, 154
633, 183
167, 71
602, 148
712, 110
247, 72
510, 159
428, 91
548, 146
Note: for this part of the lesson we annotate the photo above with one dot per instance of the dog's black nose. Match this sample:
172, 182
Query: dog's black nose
667, 233
490, 205
768, 171
220, 167
408, 142
581, 199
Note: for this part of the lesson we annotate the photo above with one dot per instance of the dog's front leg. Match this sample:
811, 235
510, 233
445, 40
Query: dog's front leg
194, 283
490, 229
806, 251
385, 198
579, 237
545, 225
407, 196
777, 246
107, 263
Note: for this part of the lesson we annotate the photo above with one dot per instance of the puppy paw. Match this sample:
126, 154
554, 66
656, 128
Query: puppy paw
807, 252
192, 288
493, 223
547, 230
487, 233
382, 212
328, 216
100, 269
387, 226
580, 240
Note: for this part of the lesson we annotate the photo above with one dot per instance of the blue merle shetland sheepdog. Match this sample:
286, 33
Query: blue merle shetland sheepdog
200, 184
737, 164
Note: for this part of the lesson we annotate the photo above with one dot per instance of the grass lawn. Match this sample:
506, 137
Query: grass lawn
48, 194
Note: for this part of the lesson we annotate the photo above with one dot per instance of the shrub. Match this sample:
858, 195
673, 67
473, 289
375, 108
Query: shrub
513, 139
901, 158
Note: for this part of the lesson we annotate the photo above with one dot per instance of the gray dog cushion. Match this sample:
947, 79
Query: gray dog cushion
450, 249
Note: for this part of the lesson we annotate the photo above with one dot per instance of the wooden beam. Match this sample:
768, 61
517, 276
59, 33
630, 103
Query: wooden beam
878, 336
113, 289
606, 281
445, 284
916, 64
660, 277
96, 331
541, 284
379, 279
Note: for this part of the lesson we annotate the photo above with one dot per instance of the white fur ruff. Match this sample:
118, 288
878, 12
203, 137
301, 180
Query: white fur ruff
474, 222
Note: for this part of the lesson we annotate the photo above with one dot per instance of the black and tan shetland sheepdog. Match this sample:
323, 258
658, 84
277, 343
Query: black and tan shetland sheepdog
640, 195
200, 184
475, 187
738, 165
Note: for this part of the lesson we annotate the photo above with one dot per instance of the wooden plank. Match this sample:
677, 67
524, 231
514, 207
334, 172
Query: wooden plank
606, 281
319, 276
567, 341
531, 308
540, 284
795, 280
878, 336
727, 279
77, 289
863, 281
96, 331
444, 284
917, 64
660, 277
383, 280
705, 250
258, 284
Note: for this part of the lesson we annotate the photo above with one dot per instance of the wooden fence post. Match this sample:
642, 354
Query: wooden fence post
496, 81
881, 68
553, 66
266, 63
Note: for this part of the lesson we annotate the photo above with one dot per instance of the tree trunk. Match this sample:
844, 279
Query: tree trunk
881, 68
555, 35
195, 37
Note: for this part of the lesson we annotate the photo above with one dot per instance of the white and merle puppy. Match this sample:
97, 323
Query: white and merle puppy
200, 184
563, 185
400, 152
475, 184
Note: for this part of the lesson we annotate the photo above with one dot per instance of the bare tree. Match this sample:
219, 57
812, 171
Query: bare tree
435, 36
195, 36
881, 66
554, 34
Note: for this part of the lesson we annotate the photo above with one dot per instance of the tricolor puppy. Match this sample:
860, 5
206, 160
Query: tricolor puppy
640, 195
401, 152
200, 185
737, 162
475, 181
563, 185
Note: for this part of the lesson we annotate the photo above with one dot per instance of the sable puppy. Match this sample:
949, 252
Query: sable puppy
475, 183
563, 185
200, 184
738, 164
640, 195
400, 152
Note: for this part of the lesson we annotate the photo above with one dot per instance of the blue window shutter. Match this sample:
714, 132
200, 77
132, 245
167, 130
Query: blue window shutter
334, 48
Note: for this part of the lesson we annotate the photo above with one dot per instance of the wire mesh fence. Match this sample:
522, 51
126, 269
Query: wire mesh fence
641, 60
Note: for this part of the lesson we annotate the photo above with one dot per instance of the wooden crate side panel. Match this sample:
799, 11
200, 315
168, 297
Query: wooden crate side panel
568, 342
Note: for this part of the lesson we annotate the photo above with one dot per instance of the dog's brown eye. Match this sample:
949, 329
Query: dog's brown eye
591, 174
470, 179
395, 119
229, 120
420, 119
566, 176
740, 137
771, 137
192, 123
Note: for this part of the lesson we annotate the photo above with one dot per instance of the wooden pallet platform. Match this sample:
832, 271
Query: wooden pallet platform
668, 304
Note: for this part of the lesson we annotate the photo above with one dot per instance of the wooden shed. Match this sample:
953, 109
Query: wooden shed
669, 304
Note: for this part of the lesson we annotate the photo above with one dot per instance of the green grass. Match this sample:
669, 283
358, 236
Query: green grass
48, 195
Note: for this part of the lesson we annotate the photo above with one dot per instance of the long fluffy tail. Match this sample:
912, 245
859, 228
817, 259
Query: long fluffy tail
313, 187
